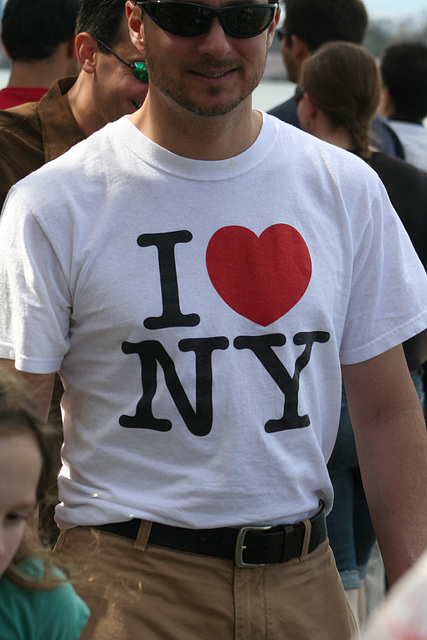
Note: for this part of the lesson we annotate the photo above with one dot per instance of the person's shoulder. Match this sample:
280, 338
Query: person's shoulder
21, 145
305, 143
13, 118
380, 158
66, 610
287, 112
56, 613
402, 127
11, 97
59, 611
28, 115
90, 147
65, 172
33, 569
397, 168
385, 138
310, 158
20, 130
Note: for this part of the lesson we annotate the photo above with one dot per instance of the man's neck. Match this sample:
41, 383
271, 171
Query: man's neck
30, 74
81, 103
199, 137
41, 73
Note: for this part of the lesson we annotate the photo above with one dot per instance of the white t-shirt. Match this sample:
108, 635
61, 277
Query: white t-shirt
198, 313
413, 137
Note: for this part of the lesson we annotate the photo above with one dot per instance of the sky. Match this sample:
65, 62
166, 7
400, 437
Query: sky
396, 9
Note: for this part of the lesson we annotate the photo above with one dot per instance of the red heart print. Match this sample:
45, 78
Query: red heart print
263, 277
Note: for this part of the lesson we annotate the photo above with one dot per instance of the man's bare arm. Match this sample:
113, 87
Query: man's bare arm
391, 442
39, 385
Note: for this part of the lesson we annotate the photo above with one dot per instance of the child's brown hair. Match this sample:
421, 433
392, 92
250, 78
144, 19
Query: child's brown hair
19, 415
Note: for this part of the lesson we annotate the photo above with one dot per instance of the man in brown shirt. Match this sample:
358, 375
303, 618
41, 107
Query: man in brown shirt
106, 88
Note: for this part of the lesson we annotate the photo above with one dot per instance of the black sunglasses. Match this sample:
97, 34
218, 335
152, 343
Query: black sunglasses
188, 19
299, 92
139, 69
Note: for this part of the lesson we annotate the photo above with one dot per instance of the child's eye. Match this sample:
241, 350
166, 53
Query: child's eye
13, 518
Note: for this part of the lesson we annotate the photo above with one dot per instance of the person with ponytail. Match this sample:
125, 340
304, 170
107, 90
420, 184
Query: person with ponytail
337, 100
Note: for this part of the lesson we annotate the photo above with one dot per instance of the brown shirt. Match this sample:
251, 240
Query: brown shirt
35, 133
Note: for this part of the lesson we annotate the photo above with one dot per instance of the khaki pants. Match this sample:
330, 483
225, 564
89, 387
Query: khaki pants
139, 592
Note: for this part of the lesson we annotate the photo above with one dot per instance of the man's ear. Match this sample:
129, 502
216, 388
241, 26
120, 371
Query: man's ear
386, 104
4, 49
272, 27
299, 48
86, 50
135, 24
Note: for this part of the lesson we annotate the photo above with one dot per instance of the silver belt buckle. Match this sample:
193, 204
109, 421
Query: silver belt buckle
240, 546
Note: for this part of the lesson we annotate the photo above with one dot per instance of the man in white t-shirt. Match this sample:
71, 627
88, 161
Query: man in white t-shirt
198, 273
404, 97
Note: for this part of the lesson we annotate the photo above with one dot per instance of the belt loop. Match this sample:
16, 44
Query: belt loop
143, 535
307, 536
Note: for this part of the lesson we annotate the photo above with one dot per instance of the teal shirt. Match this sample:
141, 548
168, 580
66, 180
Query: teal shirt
26, 614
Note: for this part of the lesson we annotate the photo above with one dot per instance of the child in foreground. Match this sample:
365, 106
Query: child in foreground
36, 601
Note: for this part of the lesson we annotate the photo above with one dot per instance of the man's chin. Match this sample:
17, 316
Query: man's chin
214, 108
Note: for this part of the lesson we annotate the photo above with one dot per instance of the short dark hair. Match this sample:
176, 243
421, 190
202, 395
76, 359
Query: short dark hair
33, 29
404, 74
102, 19
320, 21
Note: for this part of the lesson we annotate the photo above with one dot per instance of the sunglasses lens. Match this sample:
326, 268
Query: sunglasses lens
187, 19
140, 71
247, 21
181, 19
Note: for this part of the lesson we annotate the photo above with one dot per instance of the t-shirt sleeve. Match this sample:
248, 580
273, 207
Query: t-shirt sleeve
36, 305
388, 300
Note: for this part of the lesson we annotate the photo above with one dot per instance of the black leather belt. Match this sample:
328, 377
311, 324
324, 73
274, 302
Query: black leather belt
248, 546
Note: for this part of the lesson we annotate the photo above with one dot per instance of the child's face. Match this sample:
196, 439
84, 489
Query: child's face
20, 468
